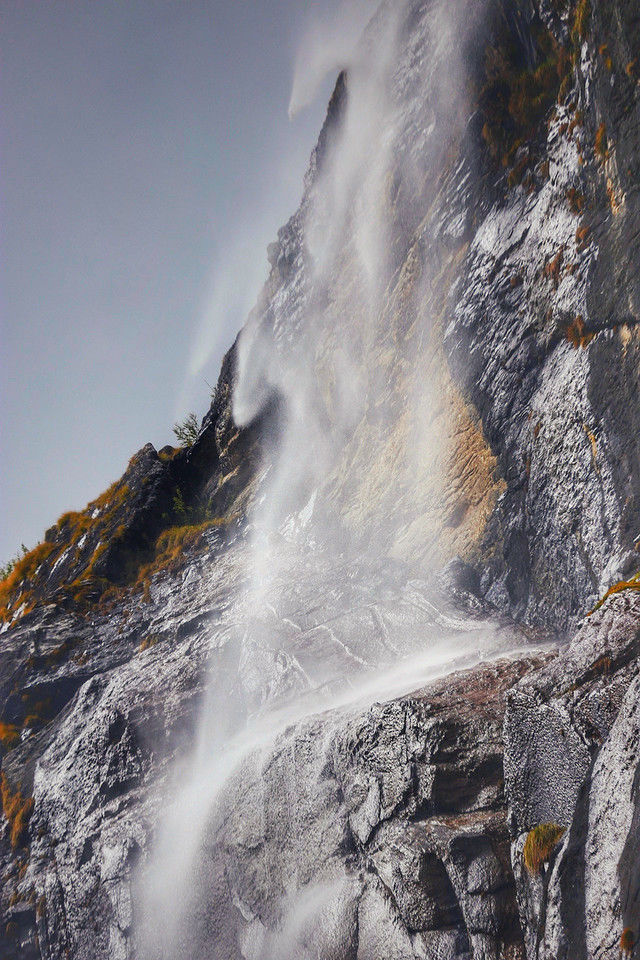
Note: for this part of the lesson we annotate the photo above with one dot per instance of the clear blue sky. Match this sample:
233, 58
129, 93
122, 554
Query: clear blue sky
146, 160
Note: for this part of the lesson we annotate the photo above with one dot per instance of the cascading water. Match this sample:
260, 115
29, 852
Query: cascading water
328, 618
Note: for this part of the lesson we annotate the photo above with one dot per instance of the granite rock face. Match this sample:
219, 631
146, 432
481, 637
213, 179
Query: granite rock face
427, 437
571, 757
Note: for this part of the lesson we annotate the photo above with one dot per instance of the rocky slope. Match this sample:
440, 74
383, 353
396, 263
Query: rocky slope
427, 433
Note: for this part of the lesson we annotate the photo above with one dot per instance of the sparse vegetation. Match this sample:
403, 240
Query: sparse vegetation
82, 538
6, 568
552, 267
172, 544
602, 666
180, 510
565, 88
38, 712
576, 333
627, 941
619, 587
540, 844
581, 21
149, 641
603, 50
187, 430
515, 99
68, 536
23, 570
577, 121
9, 735
600, 144
168, 453
575, 199
17, 809
582, 236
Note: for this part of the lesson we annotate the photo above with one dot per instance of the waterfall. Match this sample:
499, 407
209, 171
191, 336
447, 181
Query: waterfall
339, 606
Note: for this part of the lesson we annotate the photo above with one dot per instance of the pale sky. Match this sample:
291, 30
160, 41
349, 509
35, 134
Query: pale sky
146, 161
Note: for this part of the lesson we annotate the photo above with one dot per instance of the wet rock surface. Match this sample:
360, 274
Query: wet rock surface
402, 806
393, 826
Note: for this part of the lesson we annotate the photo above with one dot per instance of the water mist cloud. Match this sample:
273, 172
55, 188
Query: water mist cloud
326, 47
355, 264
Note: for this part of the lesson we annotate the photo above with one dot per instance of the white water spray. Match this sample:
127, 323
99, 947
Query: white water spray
317, 636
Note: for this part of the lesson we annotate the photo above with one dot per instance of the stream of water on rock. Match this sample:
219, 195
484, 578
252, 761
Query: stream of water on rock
315, 637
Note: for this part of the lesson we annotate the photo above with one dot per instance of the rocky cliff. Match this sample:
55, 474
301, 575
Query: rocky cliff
305, 688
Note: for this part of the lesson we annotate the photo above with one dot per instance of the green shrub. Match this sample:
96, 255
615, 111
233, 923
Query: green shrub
181, 512
187, 430
6, 568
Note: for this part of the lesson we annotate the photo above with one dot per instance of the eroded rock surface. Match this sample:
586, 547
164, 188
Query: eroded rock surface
571, 757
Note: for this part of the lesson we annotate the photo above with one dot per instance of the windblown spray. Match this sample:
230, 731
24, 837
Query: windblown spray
327, 619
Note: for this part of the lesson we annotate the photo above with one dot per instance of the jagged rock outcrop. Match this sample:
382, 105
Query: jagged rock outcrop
571, 757
401, 817
436, 398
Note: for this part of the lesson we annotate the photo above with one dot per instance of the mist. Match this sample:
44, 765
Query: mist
319, 628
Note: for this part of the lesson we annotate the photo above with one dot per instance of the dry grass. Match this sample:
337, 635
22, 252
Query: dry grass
627, 940
552, 267
581, 21
575, 199
619, 587
582, 236
171, 546
9, 735
149, 641
576, 333
24, 570
17, 809
18, 588
600, 144
540, 844
515, 100
602, 666
105, 521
